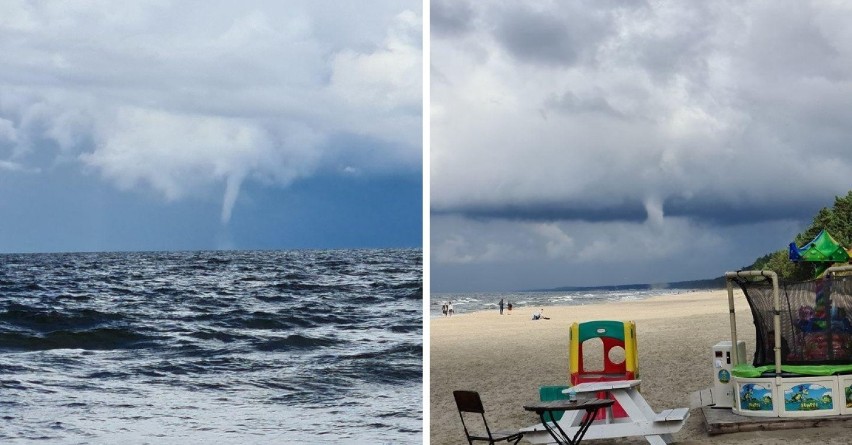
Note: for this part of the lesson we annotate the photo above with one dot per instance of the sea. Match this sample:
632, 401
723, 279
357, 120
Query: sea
219, 347
489, 301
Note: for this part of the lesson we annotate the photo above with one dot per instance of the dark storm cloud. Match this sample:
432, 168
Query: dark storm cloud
711, 210
450, 18
670, 127
551, 211
792, 41
677, 104
707, 209
557, 36
681, 47
537, 38
569, 102
542, 38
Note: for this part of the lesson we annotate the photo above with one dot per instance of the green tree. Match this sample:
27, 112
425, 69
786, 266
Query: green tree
781, 264
837, 220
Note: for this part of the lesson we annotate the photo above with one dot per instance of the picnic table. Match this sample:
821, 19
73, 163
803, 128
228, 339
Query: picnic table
590, 407
641, 419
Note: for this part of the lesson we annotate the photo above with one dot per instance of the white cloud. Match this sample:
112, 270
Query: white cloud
558, 244
178, 154
8, 133
541, 255
383, 82
10, 166
364, 78
567, 242
187, 97
474, 242
453, 250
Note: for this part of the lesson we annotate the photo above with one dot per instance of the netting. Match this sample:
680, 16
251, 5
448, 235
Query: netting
816, 321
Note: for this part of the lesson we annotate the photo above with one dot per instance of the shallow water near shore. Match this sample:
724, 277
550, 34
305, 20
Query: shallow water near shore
217, 347
467, 302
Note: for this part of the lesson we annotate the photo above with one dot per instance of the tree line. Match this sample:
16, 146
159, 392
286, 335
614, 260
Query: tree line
837, 220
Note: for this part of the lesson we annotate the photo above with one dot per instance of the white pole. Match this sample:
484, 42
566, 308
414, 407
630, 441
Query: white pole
736, 350
776, 321
838, 269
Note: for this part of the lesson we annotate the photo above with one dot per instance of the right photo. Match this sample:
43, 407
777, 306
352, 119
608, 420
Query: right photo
640, 222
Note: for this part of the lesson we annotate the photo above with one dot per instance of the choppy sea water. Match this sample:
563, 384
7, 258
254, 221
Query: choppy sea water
486, 301
211, 347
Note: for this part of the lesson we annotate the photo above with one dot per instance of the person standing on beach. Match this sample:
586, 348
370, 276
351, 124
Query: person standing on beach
501, 306
450, 309
509, 307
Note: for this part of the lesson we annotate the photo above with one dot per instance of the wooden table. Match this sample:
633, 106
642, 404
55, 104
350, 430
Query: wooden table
590, 407
641, 419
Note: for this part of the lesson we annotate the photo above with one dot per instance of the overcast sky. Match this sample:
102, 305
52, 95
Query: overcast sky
202, 125
616, 142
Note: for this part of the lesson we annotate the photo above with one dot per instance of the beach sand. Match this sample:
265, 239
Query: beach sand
506, 358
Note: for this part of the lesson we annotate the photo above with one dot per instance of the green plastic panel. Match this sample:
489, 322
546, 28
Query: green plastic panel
550, 393
749, 371
601, 328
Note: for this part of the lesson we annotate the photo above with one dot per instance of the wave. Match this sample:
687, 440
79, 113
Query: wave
397, 286
221, 331
406, 328
222, 336
408, 350
95, 339
295, 341
371, 366
298, 286
45, 320
416, 294
261, 320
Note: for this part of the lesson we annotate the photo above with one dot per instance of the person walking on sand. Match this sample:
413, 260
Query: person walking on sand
509, 307
501, 306
450, 311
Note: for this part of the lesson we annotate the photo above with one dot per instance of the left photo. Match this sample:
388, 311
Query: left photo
211, 223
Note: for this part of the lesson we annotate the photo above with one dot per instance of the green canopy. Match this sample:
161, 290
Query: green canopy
749, 371
823, 248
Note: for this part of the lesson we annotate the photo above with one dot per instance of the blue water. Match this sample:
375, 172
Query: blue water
211, 347
489, 301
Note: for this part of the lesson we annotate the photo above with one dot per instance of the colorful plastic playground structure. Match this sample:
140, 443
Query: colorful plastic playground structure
617, 380
802, 362
620, 355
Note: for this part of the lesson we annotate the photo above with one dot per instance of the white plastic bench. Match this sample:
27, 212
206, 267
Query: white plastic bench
641, 419
672, 415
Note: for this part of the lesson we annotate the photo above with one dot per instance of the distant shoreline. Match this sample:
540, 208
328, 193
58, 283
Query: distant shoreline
705, 284
474, 302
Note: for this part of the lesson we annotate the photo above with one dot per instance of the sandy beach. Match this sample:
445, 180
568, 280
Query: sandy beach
506, 358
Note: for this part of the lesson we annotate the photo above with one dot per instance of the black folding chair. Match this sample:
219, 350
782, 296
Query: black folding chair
469, 402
